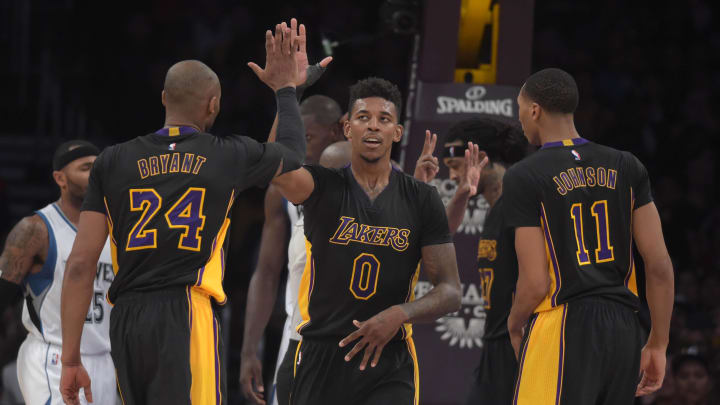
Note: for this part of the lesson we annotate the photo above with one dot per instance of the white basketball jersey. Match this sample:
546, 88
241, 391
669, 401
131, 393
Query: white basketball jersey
296, 265
41, 310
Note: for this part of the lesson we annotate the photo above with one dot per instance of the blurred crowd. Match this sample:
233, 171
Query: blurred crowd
647, 72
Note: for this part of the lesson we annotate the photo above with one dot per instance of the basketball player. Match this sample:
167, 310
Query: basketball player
165, 199
366, 227
503, 145
576, 207
320, 116
34, 258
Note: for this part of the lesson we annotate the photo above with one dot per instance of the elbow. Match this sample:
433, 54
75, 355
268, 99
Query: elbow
455, 298
76, 269
660, 271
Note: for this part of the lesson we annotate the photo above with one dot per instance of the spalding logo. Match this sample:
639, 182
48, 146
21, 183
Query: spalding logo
475, 93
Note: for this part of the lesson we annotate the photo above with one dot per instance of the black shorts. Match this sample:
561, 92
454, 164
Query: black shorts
322, 376
583, 352
167, 348
284, 378
494, 379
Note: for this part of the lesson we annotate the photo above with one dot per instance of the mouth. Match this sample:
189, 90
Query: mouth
372, 142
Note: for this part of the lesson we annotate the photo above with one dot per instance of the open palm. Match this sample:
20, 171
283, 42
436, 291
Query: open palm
473, 169
301, 57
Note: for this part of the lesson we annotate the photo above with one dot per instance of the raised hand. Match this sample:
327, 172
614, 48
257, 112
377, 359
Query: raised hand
301, 58
280, 58
374, 334
427, 165
473, 168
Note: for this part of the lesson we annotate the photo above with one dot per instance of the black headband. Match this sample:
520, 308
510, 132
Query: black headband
72, 150
454, 151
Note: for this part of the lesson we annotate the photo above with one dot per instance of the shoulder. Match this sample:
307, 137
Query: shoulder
31, 225
414, 185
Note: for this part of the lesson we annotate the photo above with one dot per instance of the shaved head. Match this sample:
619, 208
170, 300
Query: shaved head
191, 94
336, 155
326, 110
189, 82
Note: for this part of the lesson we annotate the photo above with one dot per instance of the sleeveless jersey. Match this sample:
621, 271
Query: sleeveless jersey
41, 310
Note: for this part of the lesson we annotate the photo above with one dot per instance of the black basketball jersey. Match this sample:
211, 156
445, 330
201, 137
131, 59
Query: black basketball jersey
362, 256
498, 268
582, 195
167, 197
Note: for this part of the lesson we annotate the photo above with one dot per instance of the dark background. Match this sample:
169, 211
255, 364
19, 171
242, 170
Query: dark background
648, 73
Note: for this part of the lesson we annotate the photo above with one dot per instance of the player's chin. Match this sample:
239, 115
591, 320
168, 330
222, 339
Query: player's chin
371, 156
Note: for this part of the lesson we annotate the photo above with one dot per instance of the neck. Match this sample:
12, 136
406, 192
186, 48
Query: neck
172, 120
493, 190
371, 176
70, 206
558, 128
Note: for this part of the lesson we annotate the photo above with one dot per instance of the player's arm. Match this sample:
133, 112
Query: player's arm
75, 298
23, 249
440, 267
659, 284
533, 280
307, 74
262, 293
445, 297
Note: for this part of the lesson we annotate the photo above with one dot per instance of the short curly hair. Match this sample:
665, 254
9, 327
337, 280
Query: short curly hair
553, 89
503, 142
375, 87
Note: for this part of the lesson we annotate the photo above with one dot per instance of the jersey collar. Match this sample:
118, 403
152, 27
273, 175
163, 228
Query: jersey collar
175, 131
565, 142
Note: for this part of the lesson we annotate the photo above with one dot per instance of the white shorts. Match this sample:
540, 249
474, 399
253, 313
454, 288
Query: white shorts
39, 369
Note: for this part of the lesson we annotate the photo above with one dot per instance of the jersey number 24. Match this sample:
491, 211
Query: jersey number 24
185, 214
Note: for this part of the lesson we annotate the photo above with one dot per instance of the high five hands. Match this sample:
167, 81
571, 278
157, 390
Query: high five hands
286, 59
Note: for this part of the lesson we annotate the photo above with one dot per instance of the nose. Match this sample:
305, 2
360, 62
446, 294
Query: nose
373, 124
454, 175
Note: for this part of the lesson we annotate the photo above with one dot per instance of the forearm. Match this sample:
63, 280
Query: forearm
273, 130
260, 302
527, 297
290, 129
660, 288
77, 289
443, 299
456, 208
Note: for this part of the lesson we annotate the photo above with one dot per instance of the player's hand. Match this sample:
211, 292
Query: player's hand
251, 379
374, 334
516, 341
71, 380
304, 70
427, 166
474, 164
652, 370
280, 58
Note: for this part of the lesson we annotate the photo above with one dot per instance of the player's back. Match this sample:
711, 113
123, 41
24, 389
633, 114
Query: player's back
168, 196
587, 193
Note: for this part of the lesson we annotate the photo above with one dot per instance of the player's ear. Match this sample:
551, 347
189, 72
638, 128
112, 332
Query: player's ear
346, 130
162, 97
60, 178
535, 111
397, 136
213, 105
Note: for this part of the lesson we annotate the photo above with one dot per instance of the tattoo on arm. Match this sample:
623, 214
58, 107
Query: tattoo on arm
440, 266
23, 249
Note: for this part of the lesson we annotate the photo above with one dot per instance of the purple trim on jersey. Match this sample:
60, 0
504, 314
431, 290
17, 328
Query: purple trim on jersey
632, 258
222, 263
189, 295
522, 360
182, 130
562, 356
575, 142
551, 246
